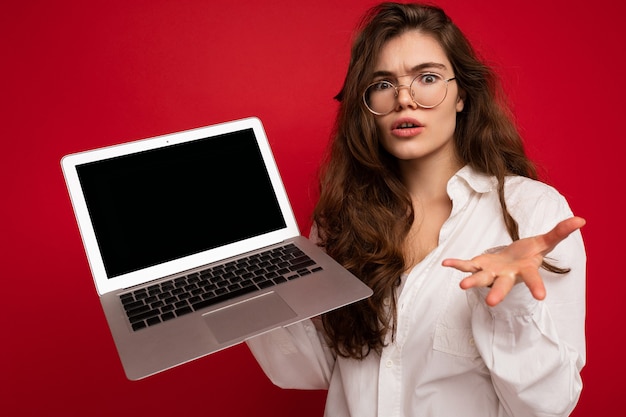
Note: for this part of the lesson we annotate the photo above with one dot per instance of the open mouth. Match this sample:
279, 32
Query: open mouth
406, 124
406, 128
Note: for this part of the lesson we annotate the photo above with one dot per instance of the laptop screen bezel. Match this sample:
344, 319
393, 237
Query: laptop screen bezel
103, 282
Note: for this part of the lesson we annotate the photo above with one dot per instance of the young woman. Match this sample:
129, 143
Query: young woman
425, 169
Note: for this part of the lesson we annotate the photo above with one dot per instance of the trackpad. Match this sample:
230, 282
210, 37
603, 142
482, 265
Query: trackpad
244, 318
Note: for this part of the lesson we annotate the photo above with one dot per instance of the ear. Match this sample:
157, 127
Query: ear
460, 101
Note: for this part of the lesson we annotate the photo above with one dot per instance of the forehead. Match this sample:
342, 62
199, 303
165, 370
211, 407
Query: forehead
410, 50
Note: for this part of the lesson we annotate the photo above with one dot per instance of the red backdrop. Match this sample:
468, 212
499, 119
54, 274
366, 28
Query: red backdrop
78, 75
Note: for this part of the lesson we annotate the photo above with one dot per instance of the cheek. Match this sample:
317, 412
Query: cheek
445, 122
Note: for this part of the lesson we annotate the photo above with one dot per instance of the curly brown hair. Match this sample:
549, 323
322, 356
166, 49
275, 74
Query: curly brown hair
364, 212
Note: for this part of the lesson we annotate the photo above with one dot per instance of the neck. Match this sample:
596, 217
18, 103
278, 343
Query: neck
428, 180
427, 184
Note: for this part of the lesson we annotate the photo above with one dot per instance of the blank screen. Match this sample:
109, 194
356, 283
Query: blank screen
159, 205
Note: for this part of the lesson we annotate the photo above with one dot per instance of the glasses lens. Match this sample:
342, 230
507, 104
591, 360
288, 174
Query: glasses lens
380, 97
429, 90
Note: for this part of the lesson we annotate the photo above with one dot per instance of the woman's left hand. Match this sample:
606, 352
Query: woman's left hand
518, 262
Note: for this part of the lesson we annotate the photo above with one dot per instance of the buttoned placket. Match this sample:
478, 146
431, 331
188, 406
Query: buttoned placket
390, 388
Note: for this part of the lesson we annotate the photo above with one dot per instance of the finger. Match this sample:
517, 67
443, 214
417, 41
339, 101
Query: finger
503, 284
478, 279
562, 230
461, 264
534, 282
499, 290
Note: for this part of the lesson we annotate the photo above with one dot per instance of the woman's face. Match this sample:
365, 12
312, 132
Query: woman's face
411, 132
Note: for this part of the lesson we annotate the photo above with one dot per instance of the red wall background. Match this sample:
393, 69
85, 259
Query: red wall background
77, 75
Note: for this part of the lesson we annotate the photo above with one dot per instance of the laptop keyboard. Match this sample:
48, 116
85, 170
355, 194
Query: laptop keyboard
170, 299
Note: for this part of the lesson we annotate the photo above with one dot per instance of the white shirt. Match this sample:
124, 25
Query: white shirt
453, 355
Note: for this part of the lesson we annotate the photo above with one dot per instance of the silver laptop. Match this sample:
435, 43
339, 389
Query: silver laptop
193, 245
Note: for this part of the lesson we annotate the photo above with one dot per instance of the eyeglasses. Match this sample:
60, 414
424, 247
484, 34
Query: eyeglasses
427, 90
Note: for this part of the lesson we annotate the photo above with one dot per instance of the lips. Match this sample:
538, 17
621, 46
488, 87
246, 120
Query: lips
406, 127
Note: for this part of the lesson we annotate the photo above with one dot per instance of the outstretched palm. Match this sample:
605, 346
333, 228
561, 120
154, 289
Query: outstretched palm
518, 262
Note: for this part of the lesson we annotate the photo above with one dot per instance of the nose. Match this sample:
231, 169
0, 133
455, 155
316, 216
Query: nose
405, 97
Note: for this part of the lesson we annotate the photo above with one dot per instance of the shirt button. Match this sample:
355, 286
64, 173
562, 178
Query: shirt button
389, 363
471, 341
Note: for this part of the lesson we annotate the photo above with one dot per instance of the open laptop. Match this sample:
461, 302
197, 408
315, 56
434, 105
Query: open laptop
193, 245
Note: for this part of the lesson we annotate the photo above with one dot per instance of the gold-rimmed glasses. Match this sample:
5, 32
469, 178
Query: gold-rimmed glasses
427, 90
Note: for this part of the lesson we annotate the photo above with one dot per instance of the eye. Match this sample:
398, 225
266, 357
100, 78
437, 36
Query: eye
381, 85
429, 78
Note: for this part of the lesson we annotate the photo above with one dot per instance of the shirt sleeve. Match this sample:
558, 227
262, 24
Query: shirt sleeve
294, 356
534, 349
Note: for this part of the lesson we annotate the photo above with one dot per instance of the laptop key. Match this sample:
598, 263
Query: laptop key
153, 320
266, 284
139, 325
128, 306
127, 296
167, 316
279, 280
183, 311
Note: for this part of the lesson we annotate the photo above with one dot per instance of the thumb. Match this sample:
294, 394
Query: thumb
562, 230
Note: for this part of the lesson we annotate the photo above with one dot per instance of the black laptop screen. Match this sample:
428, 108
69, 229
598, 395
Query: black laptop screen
156, 206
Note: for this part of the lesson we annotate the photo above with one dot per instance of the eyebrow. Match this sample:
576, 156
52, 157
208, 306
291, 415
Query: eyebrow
415, 69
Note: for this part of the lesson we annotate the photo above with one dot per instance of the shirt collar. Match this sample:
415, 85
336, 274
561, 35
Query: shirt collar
477, 181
